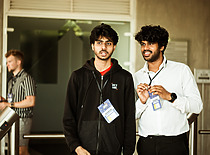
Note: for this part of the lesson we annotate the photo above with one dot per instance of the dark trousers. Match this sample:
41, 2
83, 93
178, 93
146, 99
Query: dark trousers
163, 145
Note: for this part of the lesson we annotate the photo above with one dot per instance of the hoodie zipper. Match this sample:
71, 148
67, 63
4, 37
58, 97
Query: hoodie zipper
99, 121
100, 87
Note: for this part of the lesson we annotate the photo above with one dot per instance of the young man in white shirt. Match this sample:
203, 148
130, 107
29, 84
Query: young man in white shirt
167, 92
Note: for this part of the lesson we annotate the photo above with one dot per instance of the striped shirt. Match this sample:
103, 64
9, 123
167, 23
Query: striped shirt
20, 86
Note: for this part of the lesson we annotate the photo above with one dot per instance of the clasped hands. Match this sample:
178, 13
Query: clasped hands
143, 90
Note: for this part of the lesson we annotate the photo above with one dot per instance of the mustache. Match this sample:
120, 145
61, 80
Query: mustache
147, 51
103, 51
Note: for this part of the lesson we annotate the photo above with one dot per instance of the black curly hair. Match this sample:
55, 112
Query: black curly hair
153, 34
103, 30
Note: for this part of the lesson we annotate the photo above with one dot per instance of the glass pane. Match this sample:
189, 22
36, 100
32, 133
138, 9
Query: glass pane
53, 48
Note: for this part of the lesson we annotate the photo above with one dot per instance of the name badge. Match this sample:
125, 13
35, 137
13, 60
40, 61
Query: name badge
155, 101
9, 98
108, 111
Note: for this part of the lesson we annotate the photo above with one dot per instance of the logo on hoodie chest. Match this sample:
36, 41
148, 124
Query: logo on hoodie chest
114, 86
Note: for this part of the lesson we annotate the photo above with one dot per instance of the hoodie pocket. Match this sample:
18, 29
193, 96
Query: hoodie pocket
109, 142
88, 134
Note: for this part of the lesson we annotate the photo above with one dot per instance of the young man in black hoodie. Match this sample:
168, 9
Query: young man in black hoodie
99, 114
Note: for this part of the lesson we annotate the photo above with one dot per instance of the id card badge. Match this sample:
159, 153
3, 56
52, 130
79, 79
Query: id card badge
155, 101
9, 98
108, 111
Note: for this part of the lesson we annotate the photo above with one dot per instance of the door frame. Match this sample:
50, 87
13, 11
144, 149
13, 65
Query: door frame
21, 13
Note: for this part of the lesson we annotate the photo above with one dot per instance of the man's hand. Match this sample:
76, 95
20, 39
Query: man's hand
3, 105
142, 91
81, 151
161, 91
2, 99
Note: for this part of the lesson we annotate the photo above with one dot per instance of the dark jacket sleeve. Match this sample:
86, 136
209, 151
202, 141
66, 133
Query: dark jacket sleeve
69, 118
130, 123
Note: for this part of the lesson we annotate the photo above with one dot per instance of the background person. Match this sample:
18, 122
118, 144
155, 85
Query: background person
21, 95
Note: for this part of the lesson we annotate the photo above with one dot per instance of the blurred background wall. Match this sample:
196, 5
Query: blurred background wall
185, 20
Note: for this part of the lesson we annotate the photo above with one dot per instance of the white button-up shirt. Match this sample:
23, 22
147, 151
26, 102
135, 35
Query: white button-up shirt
171, 119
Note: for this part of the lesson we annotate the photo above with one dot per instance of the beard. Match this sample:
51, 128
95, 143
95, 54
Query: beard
154, 57
104, 58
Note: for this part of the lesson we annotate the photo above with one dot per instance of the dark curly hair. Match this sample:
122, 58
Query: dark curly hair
153, 34
103, 30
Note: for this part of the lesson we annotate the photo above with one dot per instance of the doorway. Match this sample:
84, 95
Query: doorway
54, 48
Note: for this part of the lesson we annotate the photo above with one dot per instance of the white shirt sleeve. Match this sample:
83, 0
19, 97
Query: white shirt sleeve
189, 101
140, 108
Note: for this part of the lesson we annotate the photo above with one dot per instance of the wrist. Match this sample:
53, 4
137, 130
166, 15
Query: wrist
11, 104
173, 97
142, 101
77, 149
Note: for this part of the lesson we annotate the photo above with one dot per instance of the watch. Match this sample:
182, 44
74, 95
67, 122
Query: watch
12, 105
173, 97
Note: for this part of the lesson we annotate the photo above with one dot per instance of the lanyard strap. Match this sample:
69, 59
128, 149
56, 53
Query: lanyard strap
151, 79
13, 83
100, 87
155, 74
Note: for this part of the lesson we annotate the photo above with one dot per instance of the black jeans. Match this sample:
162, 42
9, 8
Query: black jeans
163, 145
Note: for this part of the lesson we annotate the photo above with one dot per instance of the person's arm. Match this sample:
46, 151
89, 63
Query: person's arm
130, 123
30, 92
70, 111
143, 95
189, 101
2, 99
28, 102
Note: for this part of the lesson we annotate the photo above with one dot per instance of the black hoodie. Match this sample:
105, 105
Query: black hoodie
85, 126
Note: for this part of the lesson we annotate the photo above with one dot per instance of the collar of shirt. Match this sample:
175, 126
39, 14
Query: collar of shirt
19, 73
164, 64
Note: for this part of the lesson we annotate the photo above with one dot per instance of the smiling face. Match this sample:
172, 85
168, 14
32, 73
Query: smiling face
151, 51
103, 48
